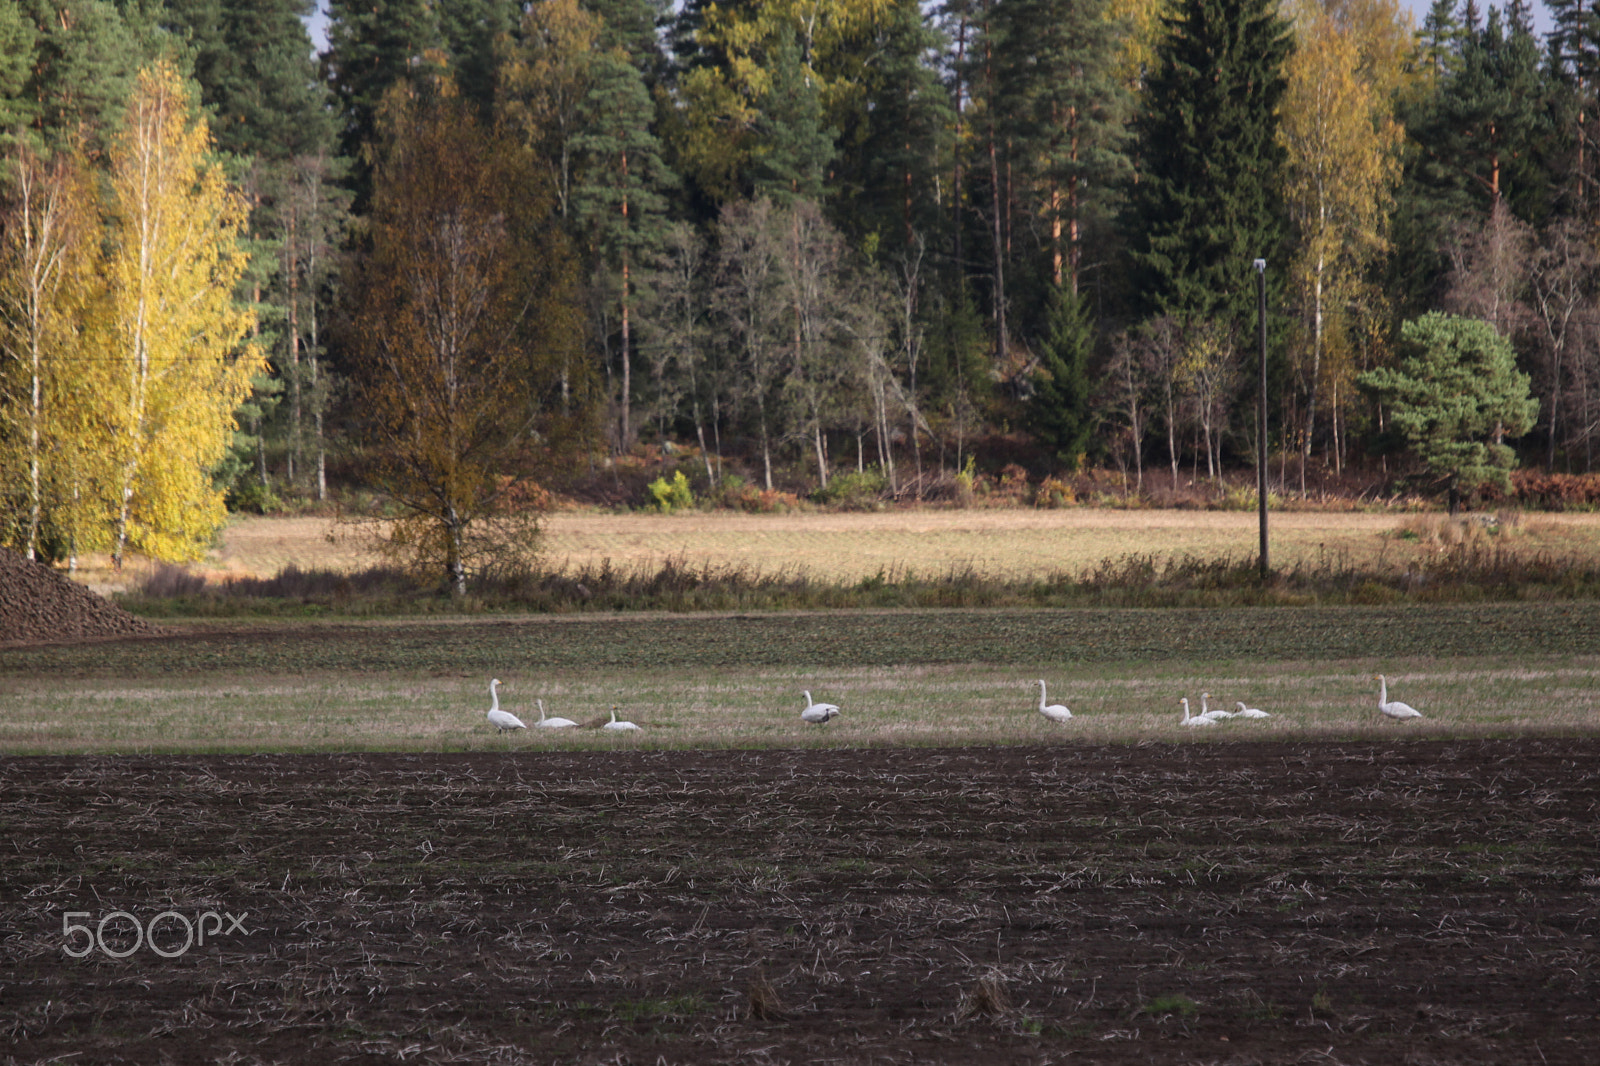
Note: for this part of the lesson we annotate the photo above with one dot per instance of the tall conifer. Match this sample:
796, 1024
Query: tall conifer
1209, 196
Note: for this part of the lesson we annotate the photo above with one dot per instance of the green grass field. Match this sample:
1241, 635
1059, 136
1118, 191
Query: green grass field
901, 677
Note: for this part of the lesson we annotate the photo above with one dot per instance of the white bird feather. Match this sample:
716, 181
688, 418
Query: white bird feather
1195, 719
818, 713
616, 726
1395, 709
1055, 712
501, 720
552, 723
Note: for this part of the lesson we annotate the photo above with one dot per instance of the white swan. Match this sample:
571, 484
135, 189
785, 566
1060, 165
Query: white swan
1207, 712
1249, 712
1395, 709
1055, 712
1193, 719
552, 723
501, 720
818, 712
616, 726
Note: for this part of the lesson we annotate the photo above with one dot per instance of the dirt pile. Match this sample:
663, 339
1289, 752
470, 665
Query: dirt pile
36, 603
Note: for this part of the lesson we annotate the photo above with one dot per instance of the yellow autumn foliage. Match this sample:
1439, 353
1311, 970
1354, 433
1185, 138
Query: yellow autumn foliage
174, 368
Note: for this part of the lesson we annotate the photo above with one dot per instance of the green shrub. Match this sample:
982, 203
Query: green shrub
250, 495
673, 495
856, 490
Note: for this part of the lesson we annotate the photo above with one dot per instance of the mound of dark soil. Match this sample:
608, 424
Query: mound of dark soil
36, 603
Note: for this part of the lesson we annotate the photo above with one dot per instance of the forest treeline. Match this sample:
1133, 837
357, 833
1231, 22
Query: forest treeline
477, 243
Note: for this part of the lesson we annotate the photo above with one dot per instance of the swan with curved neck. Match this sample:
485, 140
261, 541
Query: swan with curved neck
1195, 719
1395, 709
552, 723
501, 720
1249, 712
1055, 712
818, 713
615, 726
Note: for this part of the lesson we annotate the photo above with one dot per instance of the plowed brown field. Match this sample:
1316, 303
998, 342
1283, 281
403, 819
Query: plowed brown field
1398, 902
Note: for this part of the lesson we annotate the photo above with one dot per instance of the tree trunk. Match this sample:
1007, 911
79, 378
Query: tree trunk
627, 355
294, 350
1002, 342
1316, 370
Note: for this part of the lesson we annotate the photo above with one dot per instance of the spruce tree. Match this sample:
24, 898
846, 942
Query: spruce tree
793, 145
1209, 196
1058, 412
469, 32
893, 147
87, 55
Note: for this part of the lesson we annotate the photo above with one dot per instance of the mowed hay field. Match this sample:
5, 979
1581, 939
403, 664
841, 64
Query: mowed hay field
848, 547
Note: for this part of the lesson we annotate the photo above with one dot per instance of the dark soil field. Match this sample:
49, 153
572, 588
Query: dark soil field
1403, 902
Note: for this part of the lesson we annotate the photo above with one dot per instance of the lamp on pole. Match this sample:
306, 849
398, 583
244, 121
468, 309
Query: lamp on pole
1261, 429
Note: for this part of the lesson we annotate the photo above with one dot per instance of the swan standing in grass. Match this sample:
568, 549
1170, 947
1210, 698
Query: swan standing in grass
616, 726
1395, 709
552, 723
1249, 712
1055, 711
818, 712
1207, 712
501, 720
1189, 719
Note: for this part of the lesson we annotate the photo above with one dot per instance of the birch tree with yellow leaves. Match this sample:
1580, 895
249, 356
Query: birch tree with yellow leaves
1343, 168
48, 242
174, 363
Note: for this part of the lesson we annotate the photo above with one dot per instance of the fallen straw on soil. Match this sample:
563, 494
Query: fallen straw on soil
1231, 903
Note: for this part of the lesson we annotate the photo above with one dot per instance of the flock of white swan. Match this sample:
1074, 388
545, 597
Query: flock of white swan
505, 720
822, 713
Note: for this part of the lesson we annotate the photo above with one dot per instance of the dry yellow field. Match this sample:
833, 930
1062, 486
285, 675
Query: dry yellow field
855, 545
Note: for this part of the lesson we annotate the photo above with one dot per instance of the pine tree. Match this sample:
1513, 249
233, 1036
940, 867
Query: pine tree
1484, 130
619, 205
252, 60
1209, 199
87, 56
1064, 116
17, 43
1059, 413
1455, 396
372, 44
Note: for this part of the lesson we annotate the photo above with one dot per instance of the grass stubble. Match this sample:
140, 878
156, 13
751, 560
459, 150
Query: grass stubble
752, 707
